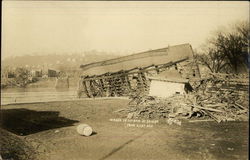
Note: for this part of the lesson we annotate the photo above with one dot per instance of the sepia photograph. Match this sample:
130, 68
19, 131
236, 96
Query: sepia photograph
124, 80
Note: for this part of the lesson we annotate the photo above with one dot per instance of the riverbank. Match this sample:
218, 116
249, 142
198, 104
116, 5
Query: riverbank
34, 95
51, 130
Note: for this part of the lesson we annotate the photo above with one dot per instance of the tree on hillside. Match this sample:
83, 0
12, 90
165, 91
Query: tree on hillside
227, 51
21, 77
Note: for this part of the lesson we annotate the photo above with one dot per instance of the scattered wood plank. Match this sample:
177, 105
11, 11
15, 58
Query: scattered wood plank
209, 109
242, 107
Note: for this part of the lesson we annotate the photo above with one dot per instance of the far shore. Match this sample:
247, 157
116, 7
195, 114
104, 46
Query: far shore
43, 83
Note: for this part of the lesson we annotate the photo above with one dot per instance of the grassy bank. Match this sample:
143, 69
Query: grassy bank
15, 147
53, 126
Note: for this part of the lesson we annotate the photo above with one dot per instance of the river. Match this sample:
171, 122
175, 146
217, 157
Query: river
28, 95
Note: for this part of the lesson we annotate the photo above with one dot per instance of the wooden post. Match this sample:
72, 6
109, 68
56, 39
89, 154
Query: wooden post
79, 88
128, 82
99, 87
145, 81
176, 68
102, 84
104, 89
114, 86
108, 90
157, 69
122, 85
111, 86
91, 90
85, 86
140, 85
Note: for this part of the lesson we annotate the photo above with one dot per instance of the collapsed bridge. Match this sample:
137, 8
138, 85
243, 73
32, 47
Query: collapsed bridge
126, 75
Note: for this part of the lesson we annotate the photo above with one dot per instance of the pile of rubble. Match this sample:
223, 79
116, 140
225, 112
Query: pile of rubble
213, 99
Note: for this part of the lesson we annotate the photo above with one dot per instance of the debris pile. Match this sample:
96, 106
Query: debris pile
213, 99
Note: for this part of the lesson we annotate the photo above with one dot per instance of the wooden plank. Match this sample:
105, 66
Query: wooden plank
86, 88
209, 109
129, 73
217, 119
240, 106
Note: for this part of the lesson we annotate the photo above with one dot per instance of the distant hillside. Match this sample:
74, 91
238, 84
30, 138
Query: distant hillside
57, 61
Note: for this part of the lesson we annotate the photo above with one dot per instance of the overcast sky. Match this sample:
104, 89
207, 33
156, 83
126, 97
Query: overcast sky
30, 27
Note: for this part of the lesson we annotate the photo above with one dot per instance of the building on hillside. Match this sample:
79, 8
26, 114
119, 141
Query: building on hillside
10, 74
62, 82
168, 83
129, 74
36, 73
52, 73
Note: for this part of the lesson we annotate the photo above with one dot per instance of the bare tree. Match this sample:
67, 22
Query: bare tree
212, 59
227, 51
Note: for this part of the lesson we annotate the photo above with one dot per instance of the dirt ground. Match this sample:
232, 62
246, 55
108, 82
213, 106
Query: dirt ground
50, 128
